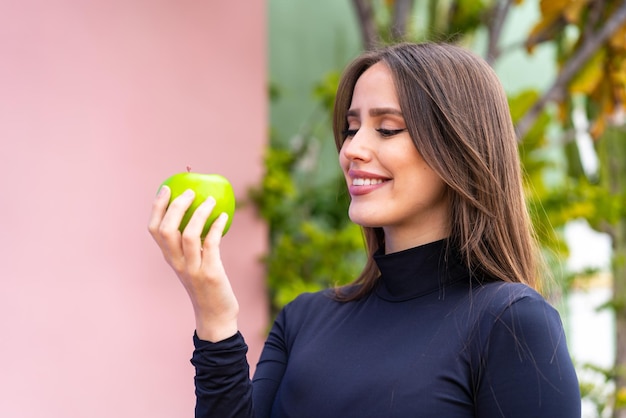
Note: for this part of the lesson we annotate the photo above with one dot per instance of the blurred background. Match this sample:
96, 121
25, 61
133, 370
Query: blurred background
100, 101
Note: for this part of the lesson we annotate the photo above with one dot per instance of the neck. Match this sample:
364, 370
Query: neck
395, 242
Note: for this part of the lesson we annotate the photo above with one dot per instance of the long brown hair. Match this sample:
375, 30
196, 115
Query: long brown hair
457, 114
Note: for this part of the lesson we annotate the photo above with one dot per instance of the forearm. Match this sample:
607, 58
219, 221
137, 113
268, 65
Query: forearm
216, 327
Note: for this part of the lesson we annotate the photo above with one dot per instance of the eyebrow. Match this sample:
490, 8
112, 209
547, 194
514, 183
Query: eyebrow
377, 111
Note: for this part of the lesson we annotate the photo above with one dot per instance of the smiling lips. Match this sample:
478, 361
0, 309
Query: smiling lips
363, 183
366, 182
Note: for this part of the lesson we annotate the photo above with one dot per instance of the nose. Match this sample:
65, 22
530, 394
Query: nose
358, 147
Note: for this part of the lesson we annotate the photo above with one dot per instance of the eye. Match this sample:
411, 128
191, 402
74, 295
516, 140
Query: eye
349, 133
386, 133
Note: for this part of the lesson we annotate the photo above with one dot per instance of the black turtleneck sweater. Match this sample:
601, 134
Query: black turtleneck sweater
424, 343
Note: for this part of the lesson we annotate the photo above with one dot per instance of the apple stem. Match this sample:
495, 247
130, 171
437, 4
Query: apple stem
189, 169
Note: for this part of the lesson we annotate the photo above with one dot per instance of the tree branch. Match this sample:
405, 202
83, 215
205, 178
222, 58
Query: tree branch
496, 22
401, 13
593, 18
569, 70
367, 23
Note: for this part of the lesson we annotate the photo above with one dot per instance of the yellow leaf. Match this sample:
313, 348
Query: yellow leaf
604, 98
544, 30
590, 75
618, 91
573, 10
618, 39
597, 128
551, 8
621, 397
563, 111
555, 14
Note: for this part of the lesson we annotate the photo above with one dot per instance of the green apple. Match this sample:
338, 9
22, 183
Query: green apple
204, 185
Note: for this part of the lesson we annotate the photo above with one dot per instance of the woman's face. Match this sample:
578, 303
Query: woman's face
390, 185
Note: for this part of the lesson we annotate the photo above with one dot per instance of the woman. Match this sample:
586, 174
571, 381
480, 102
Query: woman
443, 320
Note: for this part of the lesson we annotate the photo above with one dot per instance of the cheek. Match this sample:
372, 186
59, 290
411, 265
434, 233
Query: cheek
343, 161
438, 190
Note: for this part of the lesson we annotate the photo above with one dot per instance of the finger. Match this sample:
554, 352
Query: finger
169, 234
191, 237
214, 237
211, 258
159, 206
175, 212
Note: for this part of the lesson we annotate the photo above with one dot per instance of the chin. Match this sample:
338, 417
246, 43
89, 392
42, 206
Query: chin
364, 220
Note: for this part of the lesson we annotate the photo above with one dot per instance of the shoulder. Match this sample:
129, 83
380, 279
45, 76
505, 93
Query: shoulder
308, 306
326, 297
307, 299
521, 334
512, 311
307, 314
496, 297
516, 315
316, 307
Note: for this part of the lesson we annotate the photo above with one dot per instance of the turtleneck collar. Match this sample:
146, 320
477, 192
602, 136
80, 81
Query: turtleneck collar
418, 271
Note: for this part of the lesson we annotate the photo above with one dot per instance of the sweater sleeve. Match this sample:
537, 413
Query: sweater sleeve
223, 387
527, 370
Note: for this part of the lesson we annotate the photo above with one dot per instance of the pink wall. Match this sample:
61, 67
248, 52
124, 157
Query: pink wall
99, 102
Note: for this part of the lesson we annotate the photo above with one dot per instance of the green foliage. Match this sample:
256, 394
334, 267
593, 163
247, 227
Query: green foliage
545, 204
313, 244
569, 25
595, 386
453, 20
312, 258
275, 198
466, 16
325, 91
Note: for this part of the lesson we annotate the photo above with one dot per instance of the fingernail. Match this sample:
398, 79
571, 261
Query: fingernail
209, 201
162, 191
188, 194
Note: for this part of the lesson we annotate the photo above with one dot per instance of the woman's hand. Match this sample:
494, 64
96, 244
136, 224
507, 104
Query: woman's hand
197, 264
